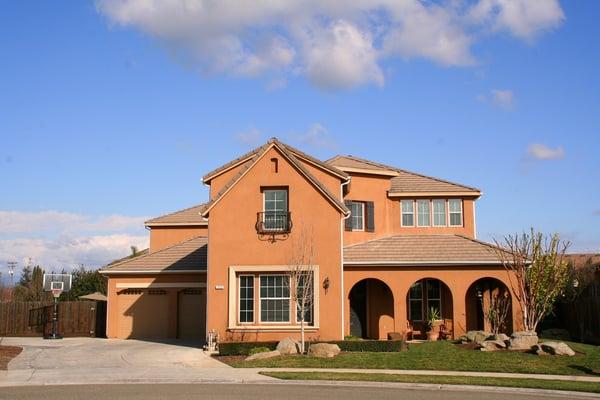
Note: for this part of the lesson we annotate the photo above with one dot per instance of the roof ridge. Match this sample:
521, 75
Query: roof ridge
381, 165
492, 246
156, 252
233, 162
315, 160
176, 212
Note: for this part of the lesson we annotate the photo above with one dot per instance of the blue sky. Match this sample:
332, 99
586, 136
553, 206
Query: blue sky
110, 113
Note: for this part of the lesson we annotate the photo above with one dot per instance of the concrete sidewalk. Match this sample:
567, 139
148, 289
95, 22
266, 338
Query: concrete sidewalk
572, 378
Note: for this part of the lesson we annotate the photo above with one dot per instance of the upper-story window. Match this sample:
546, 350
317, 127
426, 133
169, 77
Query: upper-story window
276, 216
357, 213
408, 212
455, 211
439, 212
362, 216
423, 213
436, 212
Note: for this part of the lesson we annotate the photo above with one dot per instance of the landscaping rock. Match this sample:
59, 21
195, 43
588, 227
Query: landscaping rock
501, 336
537, 349
481, 336
557, 348
263, 355
556, 334
288, 346
323, 350
492, 345
523, 340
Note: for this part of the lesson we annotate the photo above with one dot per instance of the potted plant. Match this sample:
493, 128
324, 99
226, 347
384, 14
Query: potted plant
433, 316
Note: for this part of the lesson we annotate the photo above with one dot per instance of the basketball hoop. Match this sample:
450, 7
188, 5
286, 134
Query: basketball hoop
56, 284
56, 288
56, 292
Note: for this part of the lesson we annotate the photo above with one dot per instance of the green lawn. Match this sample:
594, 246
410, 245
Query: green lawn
444, 355
446, 380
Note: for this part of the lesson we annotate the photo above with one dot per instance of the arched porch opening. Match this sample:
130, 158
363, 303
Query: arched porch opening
423, 296
371, 309
489, 306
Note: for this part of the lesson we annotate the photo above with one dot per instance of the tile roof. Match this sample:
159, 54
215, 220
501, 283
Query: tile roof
189, 255
421, 250
189, 215
580, 260
406, 181
291, 154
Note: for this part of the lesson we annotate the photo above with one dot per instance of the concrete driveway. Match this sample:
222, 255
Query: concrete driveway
90, 360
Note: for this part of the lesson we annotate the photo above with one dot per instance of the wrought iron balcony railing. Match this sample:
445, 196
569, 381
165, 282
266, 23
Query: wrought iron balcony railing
273, 222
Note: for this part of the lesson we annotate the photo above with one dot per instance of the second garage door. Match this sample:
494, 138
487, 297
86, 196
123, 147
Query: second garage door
191, 314
143, 313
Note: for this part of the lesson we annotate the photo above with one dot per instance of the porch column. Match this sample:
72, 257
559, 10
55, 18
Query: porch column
400, 312
459, 310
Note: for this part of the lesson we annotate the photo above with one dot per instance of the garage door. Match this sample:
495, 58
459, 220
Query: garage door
192, 314
143, 313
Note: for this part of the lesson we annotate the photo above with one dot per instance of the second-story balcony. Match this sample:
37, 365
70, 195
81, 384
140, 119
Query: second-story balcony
273, 222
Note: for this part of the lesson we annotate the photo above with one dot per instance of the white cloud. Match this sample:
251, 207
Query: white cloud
504, 99
57, 239
540, 151
12, 222
524, 19
336, 44
69, 251
250, 137
318, 137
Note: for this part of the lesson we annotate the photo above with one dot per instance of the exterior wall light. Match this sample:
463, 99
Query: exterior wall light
326, 283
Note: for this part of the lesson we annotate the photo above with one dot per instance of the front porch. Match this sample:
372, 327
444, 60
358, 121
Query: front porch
382, 301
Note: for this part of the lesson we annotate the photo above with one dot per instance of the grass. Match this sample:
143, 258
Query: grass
7, 353
444, 355
445, 380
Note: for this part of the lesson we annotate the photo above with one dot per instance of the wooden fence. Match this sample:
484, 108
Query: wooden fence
75, 318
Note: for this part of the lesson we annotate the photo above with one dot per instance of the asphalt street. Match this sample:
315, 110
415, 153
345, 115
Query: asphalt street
250, 392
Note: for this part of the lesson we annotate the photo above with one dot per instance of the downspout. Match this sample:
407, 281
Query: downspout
207, 308
342, 223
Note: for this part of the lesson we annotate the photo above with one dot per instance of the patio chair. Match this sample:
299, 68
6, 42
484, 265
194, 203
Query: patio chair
411, 332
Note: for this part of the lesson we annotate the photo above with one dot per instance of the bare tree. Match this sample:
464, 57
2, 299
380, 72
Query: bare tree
537, 271
497, 311
301, 281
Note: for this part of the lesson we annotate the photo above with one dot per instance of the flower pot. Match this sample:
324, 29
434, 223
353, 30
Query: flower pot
433, 335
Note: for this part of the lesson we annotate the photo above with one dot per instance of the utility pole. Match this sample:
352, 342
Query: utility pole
11, 271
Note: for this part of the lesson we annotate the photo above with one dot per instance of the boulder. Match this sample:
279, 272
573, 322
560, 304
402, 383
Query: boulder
557, 348
288, 346
501, 336
323, 350
555, 334
481, 336
537, 349
492, 345
523, 340
263, 355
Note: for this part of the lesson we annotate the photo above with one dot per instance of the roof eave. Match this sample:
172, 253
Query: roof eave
151, 224
421, 263
435, 194
152, 271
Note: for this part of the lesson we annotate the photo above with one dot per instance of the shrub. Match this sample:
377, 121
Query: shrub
378, 346
243, 348
255, 350
351, 337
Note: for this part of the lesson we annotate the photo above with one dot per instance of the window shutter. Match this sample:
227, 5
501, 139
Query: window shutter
348, 221
370, 217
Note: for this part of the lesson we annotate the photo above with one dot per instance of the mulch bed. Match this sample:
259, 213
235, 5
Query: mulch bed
7, 353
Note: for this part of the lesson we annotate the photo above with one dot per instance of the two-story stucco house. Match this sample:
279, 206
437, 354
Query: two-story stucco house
387, 245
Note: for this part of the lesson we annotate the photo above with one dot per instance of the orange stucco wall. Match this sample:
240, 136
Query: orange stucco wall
235, 242
399, 279
165, 236
112, 290
387, 212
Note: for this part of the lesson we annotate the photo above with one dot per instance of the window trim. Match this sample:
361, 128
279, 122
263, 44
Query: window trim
433, 213
362, 217
462, 214
239, 299
426, 201
402, 213
289, 299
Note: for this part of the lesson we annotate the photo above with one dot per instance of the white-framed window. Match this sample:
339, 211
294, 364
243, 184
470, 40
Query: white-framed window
439, 212
246, 309
455, 212
303, 281
408, 212
276, 209
434, 295
415, 301
274, 298
423, 213
357, 214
